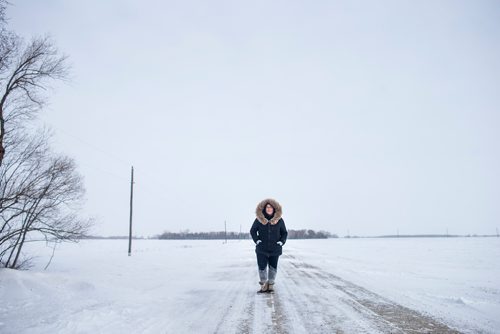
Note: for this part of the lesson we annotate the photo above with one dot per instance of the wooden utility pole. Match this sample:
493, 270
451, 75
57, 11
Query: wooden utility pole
225, 232
131, 206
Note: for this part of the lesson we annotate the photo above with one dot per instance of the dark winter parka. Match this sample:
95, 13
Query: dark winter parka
269, 229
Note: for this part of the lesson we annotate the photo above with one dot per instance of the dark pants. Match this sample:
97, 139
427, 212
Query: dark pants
263, 260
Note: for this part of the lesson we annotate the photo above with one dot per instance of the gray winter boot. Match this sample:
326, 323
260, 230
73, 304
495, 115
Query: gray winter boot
272, 277
272, 274
263, 280
263, 276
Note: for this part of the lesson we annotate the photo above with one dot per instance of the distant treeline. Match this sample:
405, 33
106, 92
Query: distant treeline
292, 234
430, 236
112, 237
310, 234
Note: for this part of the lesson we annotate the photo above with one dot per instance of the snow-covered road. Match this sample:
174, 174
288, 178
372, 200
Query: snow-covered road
307, 300
323, 286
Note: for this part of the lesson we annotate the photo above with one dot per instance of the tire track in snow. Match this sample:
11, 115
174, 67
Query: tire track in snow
318, 310
237, 313
250, 312
270, 316
382, 313
224, 305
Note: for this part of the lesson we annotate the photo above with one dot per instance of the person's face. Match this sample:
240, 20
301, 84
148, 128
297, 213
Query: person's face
269, 209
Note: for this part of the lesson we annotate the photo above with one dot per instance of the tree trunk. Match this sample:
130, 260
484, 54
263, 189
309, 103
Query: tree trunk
2, 132
19, 248
13, 250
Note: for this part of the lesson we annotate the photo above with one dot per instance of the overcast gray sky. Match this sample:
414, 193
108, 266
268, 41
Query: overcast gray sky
368, 116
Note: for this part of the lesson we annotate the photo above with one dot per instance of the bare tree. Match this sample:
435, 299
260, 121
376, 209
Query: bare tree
26, 71
41, 193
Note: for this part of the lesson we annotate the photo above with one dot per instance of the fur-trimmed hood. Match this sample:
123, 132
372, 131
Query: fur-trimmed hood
278, 211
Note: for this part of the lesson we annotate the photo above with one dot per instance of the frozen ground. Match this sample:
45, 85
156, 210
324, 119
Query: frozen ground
323, 286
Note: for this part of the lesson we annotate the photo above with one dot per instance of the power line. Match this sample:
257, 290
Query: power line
131, 206
114, 157
94, 147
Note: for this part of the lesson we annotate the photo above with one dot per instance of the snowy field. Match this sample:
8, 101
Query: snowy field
444, 285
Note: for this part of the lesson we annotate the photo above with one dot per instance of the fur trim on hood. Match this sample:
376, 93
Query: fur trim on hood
277, 211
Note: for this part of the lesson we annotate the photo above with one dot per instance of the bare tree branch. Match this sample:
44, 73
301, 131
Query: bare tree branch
25, 74
41, 195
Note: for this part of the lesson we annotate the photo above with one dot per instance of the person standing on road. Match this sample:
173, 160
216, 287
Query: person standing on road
269, 235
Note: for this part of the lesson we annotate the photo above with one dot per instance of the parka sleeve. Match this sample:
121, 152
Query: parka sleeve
283, 232
253, 231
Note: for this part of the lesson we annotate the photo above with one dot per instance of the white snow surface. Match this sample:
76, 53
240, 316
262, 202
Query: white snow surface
207, 286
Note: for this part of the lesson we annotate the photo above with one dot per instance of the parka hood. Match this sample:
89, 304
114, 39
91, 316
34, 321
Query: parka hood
277, 211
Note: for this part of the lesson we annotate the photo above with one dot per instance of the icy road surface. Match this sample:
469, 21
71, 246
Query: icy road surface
323, 286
